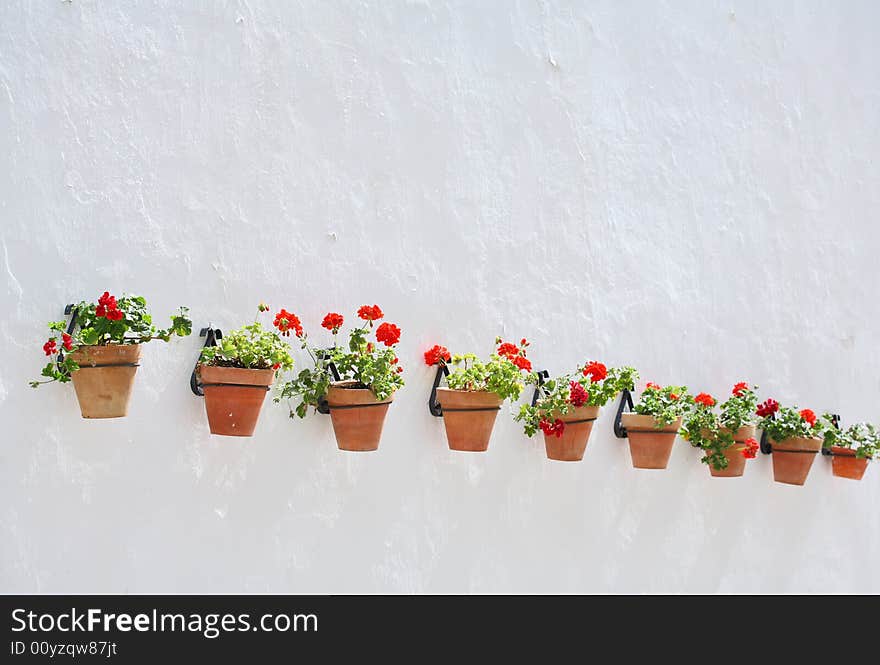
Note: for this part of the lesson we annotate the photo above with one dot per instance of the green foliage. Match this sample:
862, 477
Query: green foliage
713, 431
558, 397
789, 423
363, 361
666, 405
250, 347
863, 437
129, 323
502, 374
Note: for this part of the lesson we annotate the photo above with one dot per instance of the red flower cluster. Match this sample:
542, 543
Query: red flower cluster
596, 371
370, 313
578, 395
285, 322
809, 416
436, 354
556, 428
740, 388
50, 348
705, 399
767, 409
67, 341
107, 308
332, 322
388, 334
673, 396
652, 386
516, 354
751, 449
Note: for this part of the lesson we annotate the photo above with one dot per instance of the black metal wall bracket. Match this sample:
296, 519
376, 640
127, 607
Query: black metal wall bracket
71, 311
433, 405
626, 402
211, 336
767, 447
323, 406
543, 375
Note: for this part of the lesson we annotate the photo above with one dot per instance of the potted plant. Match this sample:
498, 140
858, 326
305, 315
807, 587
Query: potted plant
100, 355
236, 374
727, 439
369, 374
569, 405
795, 437
476, 390
653, 424
851, 449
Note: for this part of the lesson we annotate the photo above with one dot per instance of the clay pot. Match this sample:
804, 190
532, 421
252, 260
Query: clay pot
571, 445
105, 377
649, 446
792, 459
845, 464
736, 463
234, 397
469, 417
357, 416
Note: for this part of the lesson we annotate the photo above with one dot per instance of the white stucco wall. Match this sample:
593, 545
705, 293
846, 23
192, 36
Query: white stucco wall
688, 187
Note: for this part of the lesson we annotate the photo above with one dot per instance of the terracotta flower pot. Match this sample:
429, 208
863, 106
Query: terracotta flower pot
649, 446
357, 416
792, 459
105, 377
736, 463
571, 445
469, 417
845, 464
234, 397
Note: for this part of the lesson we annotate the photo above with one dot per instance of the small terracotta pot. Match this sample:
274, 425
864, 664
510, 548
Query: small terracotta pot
357, 416
105, 377
649, 446
736, 463
792, 459
469, 417
571, 445
234, 397
845, 464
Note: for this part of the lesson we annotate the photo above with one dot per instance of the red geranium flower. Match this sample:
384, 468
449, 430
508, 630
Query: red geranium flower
751, 449
276, 366
556, 428
767, 409
652, 386
596, 371
673, 396
705, 399
285, 322
370, 312
67, 341
740, 388
578, 395
114, 314
400, 370
436, 354
107, 300
332, 322
809, 416
49, 348
388, 334
508, 350
523, 363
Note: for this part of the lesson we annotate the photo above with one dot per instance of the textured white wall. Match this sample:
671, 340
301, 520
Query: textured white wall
688, 187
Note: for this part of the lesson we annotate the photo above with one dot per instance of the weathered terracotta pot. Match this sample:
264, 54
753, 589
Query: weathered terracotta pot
649, 446
469, 417
845, 464
792, 459
736, 463
105, 377
234, 397
357, 416
571, 445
